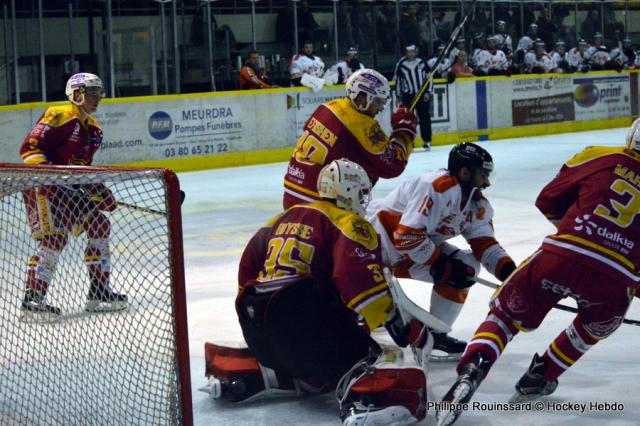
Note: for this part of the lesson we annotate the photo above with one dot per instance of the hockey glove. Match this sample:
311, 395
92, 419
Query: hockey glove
414, 333
448, 270
402, 119
101, 196
506, 270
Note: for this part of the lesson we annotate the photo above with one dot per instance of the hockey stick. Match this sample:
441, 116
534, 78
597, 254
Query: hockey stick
441, 56
559, 306
141, 209
148, 210
409, 310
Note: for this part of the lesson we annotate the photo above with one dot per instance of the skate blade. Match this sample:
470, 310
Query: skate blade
445, 357
31, 317
448, 416
98, 306
519, 398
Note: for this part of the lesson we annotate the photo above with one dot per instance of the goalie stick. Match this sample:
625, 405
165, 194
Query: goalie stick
559, 306
148, 210
452, 39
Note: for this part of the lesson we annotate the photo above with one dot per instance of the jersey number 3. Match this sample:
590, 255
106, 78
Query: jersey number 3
621, 214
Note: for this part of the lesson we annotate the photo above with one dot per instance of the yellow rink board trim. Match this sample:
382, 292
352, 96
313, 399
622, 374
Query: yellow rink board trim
233, 159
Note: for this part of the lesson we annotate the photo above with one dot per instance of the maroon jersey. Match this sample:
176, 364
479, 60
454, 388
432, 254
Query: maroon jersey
61, 137
320, 240
338, 130
595, 202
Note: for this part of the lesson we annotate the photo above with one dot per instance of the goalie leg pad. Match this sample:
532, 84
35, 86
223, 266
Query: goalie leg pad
389, 396
235, 375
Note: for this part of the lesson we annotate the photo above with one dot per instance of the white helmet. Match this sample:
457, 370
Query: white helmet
81, 82
633, 136
371, 83
347, 183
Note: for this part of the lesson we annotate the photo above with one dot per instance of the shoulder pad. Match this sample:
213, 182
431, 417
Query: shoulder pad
350, 224
56, 116
444, 183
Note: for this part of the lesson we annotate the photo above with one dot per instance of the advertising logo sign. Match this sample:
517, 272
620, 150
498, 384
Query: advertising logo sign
160, 125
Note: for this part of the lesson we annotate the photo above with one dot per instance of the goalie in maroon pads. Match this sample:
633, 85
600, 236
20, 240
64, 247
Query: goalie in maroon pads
346, 128
593, 258
311, 288
68, 135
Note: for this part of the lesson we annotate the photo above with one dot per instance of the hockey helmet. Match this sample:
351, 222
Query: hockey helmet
82, 81
472, 156
633, 136
371, 83
582, 42
347, 183
533, 27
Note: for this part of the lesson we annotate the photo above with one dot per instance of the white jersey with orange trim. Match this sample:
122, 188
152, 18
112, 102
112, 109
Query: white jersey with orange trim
418, 216
305, 64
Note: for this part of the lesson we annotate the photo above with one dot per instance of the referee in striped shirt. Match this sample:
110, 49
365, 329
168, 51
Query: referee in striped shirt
410, 74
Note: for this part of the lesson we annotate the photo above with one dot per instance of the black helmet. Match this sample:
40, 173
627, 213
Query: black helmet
469, 155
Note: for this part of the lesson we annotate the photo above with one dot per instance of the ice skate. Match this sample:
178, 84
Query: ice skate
35, 309
461, 392
102, 298
359, 413
532, 384
446, 348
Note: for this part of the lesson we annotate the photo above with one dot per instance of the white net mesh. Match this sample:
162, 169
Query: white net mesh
91, 368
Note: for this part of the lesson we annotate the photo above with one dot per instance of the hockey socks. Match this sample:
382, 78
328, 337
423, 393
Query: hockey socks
566, 349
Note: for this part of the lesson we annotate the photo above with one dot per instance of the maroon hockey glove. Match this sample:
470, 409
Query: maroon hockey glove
447, 270
414, 333
102, 197
402, 119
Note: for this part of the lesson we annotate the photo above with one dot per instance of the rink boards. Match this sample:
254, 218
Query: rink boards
221, 129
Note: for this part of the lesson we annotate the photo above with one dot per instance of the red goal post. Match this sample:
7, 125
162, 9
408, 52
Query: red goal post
127, 367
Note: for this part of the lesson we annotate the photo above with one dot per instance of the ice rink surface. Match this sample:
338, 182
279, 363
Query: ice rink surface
225, 207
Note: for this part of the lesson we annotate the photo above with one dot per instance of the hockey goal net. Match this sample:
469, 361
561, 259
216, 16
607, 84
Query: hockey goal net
124, 367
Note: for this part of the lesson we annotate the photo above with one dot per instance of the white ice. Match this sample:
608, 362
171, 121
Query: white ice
225, 207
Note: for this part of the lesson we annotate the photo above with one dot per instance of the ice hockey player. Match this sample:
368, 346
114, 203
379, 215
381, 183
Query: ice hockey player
68, 135
305, 63
594, 201
304, 279
538, 61
346, 128
417, 218
344, 68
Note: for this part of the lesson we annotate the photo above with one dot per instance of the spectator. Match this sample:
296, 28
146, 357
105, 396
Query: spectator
305, 63
386, 18
350, 64
537, 61
624, 56
591, 25
306, 23
251, 75
461, 68
362, 25
503, 39
409, 31
576, 58
439, 27
498, 62
410, 74
345, 30
559, 58
546, 29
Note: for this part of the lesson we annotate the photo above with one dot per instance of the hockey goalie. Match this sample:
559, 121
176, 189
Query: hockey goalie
311, 287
